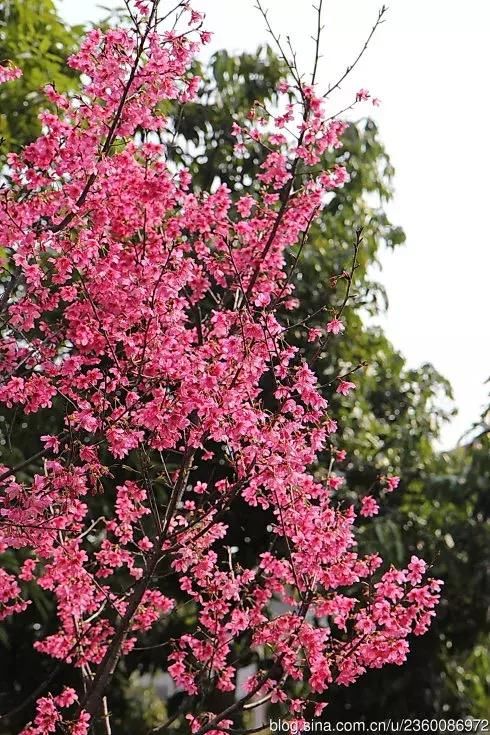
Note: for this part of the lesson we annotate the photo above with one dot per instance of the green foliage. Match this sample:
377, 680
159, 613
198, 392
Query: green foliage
33, 37
468, 678
145, 709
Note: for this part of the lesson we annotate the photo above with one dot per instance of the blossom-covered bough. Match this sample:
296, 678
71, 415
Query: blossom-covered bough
148, 317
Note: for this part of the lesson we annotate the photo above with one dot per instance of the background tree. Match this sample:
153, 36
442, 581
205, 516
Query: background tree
32, 36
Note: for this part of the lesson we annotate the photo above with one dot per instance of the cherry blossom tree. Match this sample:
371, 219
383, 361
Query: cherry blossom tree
148, 316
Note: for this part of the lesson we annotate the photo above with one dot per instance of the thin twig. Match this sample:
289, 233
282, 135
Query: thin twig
317, 39
346, 73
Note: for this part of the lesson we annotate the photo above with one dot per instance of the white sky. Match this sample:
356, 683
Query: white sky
429, 64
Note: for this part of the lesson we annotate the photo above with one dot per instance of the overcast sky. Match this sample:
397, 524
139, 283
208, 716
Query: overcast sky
428, 64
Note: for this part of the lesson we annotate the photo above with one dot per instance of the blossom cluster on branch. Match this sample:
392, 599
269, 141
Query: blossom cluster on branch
148, 315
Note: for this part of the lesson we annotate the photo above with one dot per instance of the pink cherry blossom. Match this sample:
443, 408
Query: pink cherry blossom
369, 506
391, 483
362, 95
9, 73
416, 570
344, 387
335, 326
314, 333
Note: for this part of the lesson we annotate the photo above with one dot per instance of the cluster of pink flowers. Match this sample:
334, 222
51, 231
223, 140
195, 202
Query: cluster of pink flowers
9, 73
49, 715
150, 313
